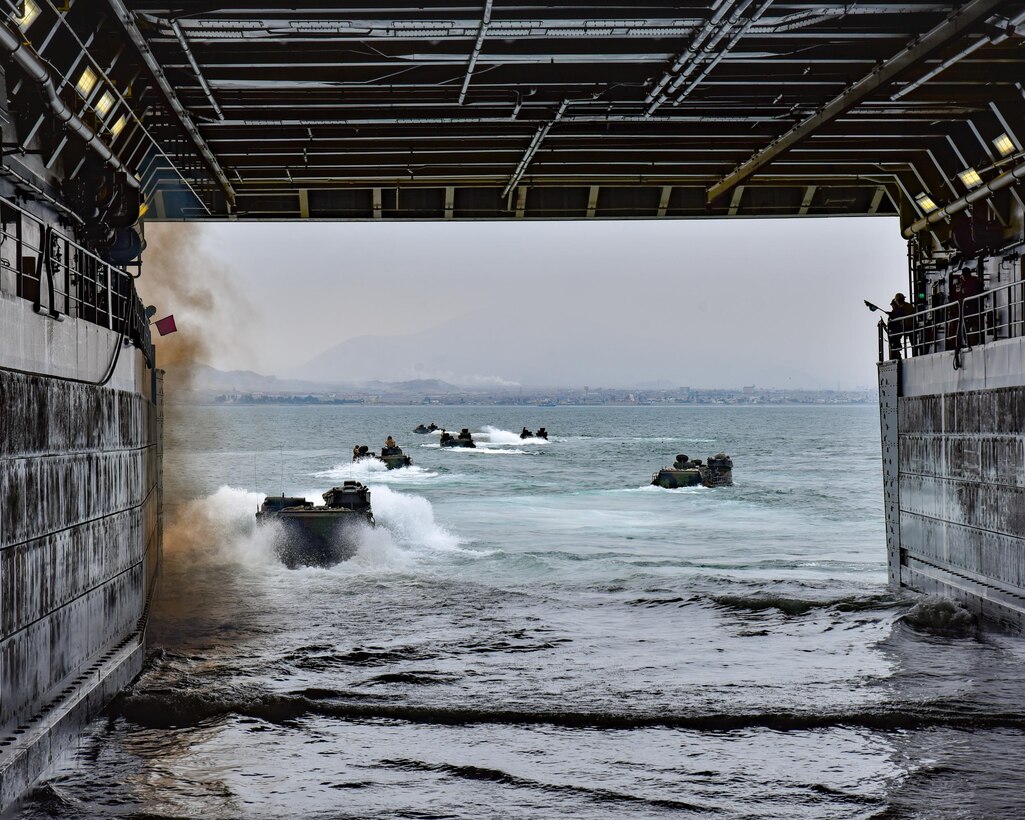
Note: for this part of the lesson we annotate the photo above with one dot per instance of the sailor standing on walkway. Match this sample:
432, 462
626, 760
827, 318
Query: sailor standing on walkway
970, 286
898, 325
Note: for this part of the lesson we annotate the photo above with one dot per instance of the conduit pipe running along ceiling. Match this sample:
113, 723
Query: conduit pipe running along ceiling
14, 45
587, 110
983, 192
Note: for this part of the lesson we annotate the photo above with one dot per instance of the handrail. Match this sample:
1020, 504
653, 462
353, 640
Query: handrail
997, 313
80, 284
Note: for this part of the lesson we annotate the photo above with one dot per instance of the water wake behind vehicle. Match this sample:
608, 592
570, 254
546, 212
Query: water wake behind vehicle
540, 635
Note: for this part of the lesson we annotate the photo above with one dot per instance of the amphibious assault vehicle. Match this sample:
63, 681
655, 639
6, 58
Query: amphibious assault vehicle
318, 536
717, 471
464, 439
391, 456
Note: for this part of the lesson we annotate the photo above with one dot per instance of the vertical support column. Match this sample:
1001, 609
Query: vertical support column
160, 467
889, 392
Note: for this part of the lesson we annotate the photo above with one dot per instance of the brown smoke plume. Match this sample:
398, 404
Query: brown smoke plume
181, 276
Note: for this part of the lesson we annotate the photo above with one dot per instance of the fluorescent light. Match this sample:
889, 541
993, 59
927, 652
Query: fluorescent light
87, 82
970, 177
105, 103
925, 202
119, 126
28, 17
1004, 145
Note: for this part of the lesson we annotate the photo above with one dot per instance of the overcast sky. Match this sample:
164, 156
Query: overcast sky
762, 301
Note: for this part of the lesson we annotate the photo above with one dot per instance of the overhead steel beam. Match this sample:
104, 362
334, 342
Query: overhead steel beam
146, 53
982, 41
920, 48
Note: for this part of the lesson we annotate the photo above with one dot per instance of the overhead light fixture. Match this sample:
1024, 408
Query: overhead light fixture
1004, 145
925, 202
119, 126
29, 14
970, 177
104, 104
86, 82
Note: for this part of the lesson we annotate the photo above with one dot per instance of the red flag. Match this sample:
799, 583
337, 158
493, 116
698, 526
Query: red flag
166, 325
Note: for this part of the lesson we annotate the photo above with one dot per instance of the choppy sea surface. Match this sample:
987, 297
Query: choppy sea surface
534, 631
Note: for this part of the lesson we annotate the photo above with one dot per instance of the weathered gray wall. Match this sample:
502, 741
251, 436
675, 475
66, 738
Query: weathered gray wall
889, 391
79, 539
961, 485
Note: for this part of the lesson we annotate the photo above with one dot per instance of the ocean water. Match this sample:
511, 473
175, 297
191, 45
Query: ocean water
534, 631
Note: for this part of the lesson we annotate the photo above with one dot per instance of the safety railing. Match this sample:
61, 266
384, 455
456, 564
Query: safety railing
956, 326
39, 263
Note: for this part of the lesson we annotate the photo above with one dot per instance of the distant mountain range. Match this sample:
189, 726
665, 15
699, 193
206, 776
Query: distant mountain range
551, 345
533, 345
203, 377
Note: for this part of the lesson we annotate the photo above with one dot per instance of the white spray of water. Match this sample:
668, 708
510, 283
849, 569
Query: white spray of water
370, 469
222, 528
494, 451
481, 448
410, 520
496, 435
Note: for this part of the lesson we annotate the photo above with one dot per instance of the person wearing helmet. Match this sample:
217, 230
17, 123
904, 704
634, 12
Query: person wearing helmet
898, 325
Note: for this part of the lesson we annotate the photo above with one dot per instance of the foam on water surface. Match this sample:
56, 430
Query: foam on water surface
551, 634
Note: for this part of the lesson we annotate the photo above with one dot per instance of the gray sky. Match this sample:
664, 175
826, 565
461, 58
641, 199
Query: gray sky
769, 302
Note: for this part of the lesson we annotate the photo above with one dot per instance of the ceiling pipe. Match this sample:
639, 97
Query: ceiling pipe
195, 67
687, 54
485, 21
979, 194
412, 121
275, 30
707, 50
13, 44
726, 50
532, 149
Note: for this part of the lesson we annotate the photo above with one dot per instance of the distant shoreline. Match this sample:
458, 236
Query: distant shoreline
285, 401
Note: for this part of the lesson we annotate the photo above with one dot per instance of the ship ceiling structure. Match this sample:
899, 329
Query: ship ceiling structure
499, 109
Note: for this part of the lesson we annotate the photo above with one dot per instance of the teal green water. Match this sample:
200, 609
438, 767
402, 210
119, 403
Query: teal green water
532, 630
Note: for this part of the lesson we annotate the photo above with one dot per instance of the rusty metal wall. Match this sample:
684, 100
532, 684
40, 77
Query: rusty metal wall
79, 549
889, 384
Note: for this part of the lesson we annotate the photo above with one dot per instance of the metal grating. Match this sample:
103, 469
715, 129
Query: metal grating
496, 110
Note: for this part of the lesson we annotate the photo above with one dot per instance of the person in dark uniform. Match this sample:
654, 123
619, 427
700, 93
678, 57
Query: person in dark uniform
971, 308
898, 325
